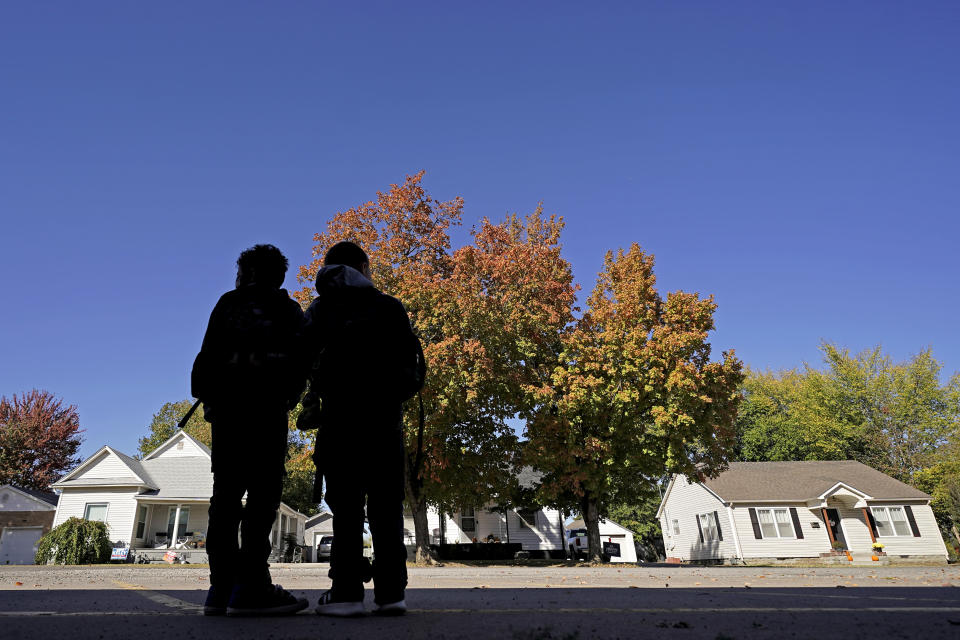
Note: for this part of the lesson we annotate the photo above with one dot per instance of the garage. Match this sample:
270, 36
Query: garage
18, 545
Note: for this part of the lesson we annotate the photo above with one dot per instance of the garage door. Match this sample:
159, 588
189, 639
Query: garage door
19, 545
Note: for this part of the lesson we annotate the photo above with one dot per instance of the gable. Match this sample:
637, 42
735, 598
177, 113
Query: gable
14, 499
180, 445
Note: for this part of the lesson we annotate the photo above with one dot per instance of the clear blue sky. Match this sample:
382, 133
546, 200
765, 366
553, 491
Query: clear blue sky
798, 160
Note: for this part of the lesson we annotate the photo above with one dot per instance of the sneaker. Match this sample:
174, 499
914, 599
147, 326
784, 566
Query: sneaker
272, 600
397, 608
328, 607
216, 602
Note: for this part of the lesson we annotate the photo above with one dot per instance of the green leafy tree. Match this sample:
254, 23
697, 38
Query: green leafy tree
164, 425
76, 541
635, 395
895, 417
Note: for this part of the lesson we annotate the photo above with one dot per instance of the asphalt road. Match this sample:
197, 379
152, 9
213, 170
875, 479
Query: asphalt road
505, 602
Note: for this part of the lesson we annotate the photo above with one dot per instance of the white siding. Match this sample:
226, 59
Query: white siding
930, 542
182, 447
108, 466
683, 503
814, 542
11, 500
547, 535
121, 509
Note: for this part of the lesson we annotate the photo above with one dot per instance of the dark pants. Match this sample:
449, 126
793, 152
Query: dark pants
368, 474
248, 457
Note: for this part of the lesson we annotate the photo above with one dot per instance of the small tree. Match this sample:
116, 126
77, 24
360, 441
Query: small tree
39, 439
76, 541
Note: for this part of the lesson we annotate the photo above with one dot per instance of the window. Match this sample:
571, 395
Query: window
708, 525
891, 521
141, 522
468, 520
676, 527
775, 523
527, 518
96, 512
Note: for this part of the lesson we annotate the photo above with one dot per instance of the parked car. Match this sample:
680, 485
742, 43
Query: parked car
323, 547
577, 545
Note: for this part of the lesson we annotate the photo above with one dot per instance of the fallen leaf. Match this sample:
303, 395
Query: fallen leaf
19, 584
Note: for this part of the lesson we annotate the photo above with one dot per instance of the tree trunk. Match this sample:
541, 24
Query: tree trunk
418, 507
956, 534
592, 520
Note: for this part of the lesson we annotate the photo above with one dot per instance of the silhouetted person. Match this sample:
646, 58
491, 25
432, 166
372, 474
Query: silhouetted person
366, 362
248, 375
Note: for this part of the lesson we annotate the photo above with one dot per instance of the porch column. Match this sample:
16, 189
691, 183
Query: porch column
866, 519
826, 522
172, 542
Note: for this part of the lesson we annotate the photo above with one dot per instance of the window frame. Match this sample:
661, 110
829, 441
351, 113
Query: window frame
527, 524
708, 526
141, 522
887, 520
468, 513
776, 527
676, 526
86, 511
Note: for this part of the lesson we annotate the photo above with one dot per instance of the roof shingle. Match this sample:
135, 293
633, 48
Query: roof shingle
804, 480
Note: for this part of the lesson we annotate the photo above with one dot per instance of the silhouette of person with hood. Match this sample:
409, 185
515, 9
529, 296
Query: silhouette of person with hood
249, 374
366, 363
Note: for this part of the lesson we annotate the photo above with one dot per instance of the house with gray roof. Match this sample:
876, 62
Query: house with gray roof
157, 503
763, 512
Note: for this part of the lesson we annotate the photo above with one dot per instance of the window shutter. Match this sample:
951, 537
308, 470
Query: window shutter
719, 530
796, 523
755, 523
700, 529
912, 521
872, 522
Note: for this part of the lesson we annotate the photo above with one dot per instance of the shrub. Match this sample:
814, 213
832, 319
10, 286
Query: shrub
76, 541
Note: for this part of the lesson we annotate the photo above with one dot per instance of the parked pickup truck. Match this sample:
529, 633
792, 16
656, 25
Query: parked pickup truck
577, 546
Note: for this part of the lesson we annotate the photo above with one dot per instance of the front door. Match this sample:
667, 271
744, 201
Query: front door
833, 521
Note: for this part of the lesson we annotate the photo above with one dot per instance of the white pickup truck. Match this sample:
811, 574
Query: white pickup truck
577, 546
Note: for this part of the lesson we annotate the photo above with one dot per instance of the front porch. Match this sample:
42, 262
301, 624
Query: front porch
157, 521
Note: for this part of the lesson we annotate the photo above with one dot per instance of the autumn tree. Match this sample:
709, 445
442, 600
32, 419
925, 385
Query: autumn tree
488, 315
636, 395
39, 439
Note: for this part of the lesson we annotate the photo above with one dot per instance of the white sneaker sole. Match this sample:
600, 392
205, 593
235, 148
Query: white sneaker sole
341, 609
391, 609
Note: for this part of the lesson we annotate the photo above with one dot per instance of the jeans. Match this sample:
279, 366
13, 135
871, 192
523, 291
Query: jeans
248, 458
375, 480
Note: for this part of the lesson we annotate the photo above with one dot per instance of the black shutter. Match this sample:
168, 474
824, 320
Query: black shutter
700, 529
755, 523
912, 521
719, 530
796, 523
872, 522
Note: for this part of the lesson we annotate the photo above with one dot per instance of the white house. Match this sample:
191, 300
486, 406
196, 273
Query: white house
610, 531
25, 515
143, 502
536, 530
761, 512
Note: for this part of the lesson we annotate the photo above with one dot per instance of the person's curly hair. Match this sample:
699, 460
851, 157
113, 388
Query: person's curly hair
262, 263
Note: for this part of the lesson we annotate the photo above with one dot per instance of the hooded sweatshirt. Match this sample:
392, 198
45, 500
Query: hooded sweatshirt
362, 349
